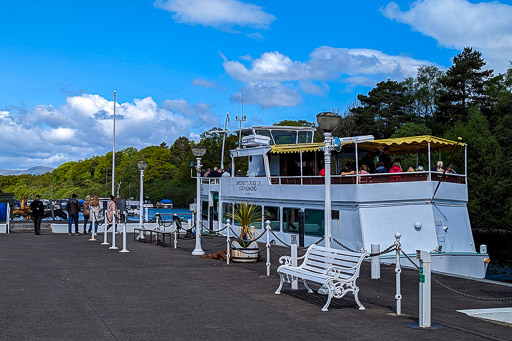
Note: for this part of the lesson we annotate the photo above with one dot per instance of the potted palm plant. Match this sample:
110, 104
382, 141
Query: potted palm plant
243, 249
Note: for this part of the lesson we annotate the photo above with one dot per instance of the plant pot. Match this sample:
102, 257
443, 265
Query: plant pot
244, 254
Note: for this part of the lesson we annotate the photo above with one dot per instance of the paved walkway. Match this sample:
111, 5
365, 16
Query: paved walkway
57, 287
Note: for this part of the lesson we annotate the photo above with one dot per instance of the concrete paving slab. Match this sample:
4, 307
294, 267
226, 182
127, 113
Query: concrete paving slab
59, 287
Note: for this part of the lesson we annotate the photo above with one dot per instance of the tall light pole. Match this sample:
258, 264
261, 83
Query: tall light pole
142, 166
328, 121
114, 148
198, 152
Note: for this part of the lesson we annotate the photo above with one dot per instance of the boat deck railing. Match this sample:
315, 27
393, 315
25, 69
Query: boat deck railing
357, 179
368, 178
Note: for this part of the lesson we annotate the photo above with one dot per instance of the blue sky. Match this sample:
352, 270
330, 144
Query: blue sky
179, 65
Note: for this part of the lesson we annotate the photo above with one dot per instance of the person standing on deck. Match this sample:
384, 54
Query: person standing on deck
112, 209
73, 207
37, 209
87, 211
95, 212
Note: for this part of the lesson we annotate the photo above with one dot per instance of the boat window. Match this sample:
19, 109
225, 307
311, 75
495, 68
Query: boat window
265, 133
272, 214
290, 219
284, 136
305, 137
204, 210
226, 208
314, 223
258, 224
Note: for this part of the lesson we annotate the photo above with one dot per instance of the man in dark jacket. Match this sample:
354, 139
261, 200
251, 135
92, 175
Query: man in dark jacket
37, 209
73, 207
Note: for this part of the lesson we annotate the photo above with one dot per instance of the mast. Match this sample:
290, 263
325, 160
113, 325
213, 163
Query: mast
224, 141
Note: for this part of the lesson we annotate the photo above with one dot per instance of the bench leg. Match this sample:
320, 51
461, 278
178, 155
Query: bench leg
356, 297
307, 286
278, 291
329, 297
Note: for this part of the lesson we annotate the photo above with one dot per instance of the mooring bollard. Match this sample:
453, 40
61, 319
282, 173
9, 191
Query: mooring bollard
105, 234
93, 227
398, 271
228, 241
425, 289
293, 245
375, 274
268, 247
113, 247
124, 238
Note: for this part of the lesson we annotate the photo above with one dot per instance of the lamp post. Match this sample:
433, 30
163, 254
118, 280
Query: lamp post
198, 152
328, 121
142, 166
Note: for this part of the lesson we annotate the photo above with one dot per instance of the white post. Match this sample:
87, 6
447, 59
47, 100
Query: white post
124, 238
357, 163
114, 147
141, 204
8, 218
175, 236
466, 164
293, 254
268, 247
425, 289
147, 213
327, 165
398, 271
429, 167
93, 227
198, 251
228, 241
105, 234
375, 273
113, 247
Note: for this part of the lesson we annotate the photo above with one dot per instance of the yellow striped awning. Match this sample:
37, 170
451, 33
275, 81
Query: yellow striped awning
296, 148
412, 144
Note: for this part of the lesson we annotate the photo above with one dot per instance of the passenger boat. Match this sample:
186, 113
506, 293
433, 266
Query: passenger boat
428, 208
165, 203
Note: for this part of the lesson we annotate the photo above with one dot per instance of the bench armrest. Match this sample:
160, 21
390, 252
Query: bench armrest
336, 271
287, 260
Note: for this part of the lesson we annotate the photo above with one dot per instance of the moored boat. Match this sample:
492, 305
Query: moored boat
427, 207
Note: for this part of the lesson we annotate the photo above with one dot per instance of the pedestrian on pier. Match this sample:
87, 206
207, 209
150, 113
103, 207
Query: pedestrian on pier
37, 209
73, 207
95, 212
112, 210
87, 211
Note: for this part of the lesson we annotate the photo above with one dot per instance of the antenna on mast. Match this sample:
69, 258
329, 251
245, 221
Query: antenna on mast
224, 140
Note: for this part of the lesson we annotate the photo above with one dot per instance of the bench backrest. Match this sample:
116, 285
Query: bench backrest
318, 259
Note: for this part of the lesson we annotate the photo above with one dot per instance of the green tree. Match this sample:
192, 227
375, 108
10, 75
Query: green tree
462, 86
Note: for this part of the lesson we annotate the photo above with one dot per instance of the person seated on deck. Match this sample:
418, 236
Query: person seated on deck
396, 168
440, 166
215, 173
450, 169
239, 173
347, 170
322, 172
363, 170
380, 168
410, 169
420, 169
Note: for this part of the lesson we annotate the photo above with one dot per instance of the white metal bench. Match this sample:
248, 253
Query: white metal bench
336, 270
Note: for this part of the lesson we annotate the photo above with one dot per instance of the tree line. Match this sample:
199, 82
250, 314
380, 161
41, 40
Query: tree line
466, 100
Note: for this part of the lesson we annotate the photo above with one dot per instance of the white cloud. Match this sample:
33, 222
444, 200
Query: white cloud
268, 95
354, 66
486, 26
82, 128
321, 89
204, 83
325, 63
217, 13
